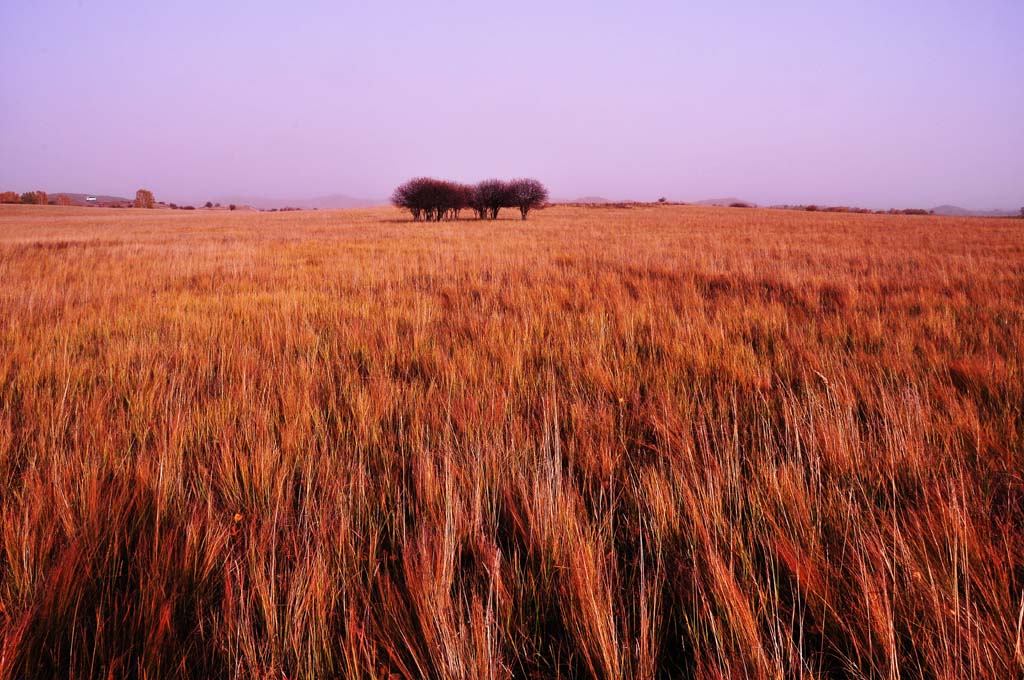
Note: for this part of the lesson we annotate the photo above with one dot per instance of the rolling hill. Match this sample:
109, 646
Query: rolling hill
957, 211
315, 203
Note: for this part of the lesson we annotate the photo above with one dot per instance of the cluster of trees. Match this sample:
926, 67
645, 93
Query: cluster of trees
434, 200
848, 209
28, 198
208, 204
143, 199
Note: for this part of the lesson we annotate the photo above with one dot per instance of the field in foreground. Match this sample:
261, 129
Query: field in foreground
608, 443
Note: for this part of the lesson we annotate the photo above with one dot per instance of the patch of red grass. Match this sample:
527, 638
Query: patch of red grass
658, 442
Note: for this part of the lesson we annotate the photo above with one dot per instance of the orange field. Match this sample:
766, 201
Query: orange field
627, 442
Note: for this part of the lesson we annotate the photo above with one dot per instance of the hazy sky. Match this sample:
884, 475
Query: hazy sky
873, 103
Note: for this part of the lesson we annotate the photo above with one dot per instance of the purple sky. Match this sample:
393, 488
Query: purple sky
871, 103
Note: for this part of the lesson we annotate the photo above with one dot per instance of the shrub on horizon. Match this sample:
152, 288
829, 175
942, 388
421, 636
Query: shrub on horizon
527, 194
490, 197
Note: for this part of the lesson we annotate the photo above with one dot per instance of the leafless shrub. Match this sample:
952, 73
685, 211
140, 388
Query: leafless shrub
491, 195
527, 194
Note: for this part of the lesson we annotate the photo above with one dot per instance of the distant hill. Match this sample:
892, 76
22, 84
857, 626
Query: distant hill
725, 202
956, 211
315, 203
581, 200
101, 199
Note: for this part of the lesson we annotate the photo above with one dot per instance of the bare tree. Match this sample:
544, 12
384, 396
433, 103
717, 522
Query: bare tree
461, 198
412, 196
527, 194
476, 202
491, 196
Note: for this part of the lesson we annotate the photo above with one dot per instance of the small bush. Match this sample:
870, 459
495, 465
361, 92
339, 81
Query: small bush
527, 194
490, 197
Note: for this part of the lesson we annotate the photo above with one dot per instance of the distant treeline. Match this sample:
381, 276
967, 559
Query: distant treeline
848, 209
33, 198
433, 200
143, 199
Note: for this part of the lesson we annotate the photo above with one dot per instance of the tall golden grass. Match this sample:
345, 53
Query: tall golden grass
605, 443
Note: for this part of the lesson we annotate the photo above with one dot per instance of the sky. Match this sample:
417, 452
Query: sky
872, 103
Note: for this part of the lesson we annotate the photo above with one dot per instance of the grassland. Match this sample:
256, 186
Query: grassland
608, 443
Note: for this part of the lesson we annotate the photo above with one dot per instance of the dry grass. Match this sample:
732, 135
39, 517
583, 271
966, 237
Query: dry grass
617, 443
